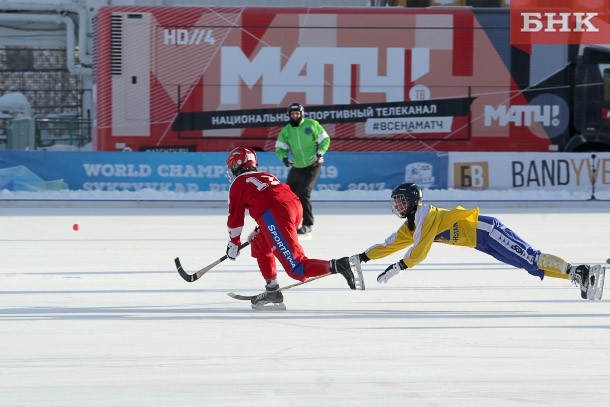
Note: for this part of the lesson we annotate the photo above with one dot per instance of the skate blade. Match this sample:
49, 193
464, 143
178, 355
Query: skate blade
269, 307
595, 291
354, 263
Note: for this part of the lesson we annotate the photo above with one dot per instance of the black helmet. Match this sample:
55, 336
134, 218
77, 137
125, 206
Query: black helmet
406, 198
295, 107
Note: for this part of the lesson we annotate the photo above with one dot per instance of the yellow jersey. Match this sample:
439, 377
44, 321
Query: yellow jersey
457, 226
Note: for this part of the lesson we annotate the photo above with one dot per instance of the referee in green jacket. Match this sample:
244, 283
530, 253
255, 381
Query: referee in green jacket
307, 141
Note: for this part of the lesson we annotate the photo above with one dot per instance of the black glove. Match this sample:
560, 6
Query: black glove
288, 162
317, 160
363, 257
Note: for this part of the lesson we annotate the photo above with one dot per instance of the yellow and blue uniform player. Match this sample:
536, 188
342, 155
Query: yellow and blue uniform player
427, 224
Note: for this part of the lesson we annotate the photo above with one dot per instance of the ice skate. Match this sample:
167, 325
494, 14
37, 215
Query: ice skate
343, 267
590, 279
271, 300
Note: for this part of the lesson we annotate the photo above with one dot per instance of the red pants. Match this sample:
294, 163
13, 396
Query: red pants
278, 239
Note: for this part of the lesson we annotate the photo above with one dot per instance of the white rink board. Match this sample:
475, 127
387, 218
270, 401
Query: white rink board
549, 172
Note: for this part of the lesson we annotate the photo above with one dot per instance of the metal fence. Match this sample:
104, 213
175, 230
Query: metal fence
41, 75
27, 133
53, 133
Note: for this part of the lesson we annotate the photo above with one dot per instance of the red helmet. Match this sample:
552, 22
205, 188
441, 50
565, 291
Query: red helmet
240, 159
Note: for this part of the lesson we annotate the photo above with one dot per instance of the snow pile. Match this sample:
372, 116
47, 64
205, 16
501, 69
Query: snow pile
375, 196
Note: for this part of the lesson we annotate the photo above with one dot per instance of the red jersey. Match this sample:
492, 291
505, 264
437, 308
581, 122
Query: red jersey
257, 192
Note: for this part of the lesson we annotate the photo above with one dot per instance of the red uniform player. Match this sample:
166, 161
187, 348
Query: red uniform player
278, 213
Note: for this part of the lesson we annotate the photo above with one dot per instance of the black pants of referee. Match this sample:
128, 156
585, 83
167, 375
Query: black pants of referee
302, 181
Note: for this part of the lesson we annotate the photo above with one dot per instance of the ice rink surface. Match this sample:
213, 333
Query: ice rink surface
100, 317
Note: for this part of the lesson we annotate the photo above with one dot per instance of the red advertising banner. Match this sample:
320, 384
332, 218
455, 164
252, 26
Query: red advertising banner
559, 22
